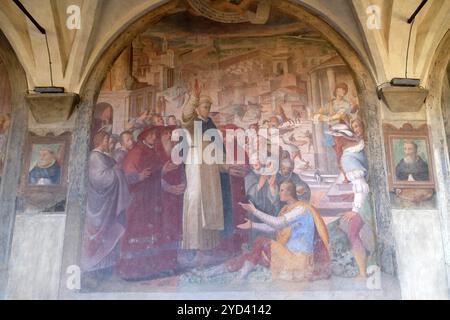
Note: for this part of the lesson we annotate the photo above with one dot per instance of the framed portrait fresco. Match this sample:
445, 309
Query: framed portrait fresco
44, 176
409, 157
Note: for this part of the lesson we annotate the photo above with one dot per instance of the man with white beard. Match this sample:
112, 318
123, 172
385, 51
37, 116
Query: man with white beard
412, 167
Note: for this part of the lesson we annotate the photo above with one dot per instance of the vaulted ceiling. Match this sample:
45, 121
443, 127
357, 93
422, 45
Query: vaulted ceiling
74, 52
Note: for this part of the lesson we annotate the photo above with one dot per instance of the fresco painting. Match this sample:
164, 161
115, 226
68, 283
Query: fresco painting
151, 218
45, 168
410, 165
411, 159
224, 149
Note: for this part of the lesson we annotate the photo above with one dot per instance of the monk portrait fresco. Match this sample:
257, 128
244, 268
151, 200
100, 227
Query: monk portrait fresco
412, 167
46, 170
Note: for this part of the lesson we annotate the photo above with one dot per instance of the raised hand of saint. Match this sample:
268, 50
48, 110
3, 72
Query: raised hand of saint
197, 89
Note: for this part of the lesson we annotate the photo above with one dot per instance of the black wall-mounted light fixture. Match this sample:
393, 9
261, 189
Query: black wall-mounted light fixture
52, 88
404, 94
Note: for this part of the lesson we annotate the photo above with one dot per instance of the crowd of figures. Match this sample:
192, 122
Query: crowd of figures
148, 217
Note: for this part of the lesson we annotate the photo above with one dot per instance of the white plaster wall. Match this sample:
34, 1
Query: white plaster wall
420, 254
35, 261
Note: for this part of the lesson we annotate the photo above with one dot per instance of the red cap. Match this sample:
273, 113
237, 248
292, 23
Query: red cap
146, 132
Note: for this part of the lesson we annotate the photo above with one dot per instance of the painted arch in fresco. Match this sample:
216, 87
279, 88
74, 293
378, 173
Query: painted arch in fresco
150, 220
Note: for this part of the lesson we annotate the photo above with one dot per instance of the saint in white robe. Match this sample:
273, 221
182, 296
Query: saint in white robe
203, 216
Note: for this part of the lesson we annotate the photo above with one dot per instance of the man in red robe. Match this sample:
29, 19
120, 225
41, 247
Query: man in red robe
173, 186
142, 251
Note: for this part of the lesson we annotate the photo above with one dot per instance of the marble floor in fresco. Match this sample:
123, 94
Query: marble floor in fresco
333, 288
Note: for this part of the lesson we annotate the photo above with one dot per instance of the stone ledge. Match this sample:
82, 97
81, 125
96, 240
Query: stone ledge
52, 107
404, 99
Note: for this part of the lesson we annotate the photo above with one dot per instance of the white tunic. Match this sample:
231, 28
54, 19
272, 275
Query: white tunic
203, 217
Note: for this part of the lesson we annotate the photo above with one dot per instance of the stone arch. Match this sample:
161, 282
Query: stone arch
435, 114
364, 81
446, 103
439, 64
12, 167
437, 74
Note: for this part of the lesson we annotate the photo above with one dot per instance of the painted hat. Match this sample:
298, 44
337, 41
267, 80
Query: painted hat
146, 131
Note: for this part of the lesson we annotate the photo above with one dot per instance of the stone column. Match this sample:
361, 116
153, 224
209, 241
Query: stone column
331, 81
12, 167
320, 132
377, 180
331, 84
315, 92
76, 198
10, 185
